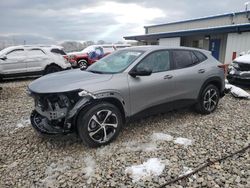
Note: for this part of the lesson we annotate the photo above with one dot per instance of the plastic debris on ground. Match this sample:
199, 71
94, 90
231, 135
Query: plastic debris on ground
237, 92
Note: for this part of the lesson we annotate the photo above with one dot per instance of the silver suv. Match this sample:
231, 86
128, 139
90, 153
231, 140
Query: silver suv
129, 83
29, 60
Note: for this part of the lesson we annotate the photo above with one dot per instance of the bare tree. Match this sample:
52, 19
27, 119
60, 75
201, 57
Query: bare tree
100, 42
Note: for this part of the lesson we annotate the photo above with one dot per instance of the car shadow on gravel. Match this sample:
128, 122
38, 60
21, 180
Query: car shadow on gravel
57, 142
137, 125
138, 122
16, 80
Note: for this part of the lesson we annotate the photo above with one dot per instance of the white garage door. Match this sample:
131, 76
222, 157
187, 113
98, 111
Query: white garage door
237, 43
170, 42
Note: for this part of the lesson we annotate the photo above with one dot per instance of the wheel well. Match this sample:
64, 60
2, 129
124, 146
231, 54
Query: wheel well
82, 59
214, 81
110, 100
52, 64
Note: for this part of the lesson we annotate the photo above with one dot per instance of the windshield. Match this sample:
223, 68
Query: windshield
5, 50
115, 62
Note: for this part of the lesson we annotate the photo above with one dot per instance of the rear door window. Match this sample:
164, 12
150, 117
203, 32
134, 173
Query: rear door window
158, 61
35, 52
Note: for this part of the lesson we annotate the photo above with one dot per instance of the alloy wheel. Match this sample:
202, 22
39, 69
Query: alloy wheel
210, 99
83, 64
102, 126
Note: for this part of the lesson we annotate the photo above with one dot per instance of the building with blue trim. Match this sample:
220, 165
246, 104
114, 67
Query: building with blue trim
225, 35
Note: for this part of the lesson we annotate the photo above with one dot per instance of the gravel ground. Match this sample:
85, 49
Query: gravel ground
29, 160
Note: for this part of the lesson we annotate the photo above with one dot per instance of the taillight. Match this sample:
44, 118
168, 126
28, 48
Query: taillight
224, 67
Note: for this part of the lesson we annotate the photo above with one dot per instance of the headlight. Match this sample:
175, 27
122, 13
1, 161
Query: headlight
235, 65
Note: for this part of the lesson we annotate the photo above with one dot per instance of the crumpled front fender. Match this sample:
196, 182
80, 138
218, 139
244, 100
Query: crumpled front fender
87, 100
79, 106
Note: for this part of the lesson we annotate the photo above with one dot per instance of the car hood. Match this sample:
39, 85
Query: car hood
66, 81
243, 59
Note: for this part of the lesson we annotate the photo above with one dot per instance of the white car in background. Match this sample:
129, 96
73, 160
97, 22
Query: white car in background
30, 60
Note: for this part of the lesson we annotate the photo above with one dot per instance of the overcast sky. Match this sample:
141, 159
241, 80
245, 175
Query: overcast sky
51, 21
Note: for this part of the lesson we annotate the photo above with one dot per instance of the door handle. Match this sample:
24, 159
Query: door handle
201, 71
168, 77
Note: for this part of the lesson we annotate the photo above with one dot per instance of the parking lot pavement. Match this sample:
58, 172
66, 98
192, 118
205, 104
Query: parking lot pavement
176, 143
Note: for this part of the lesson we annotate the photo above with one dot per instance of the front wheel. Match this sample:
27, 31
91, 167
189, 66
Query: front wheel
83, 64
208, 100
100, 124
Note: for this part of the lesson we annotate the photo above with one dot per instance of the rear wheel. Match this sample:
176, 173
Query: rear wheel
52, 69
99, 125
208, 100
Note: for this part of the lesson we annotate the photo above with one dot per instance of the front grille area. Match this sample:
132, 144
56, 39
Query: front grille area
244, 66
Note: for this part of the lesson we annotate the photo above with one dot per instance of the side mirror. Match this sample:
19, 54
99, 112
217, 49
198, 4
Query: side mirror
140, 72
4, 57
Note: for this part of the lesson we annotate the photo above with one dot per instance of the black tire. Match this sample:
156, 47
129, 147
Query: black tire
52, 69
208, 100
91, 124
83, 64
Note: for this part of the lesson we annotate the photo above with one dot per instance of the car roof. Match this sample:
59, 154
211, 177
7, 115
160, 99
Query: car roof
44, 47
34, 46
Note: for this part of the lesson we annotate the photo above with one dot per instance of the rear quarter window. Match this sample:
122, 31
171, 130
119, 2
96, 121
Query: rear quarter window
58, 51
200, 56
187, 58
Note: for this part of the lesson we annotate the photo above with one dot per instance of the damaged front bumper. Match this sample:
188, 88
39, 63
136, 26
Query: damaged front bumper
238, 77
55, 113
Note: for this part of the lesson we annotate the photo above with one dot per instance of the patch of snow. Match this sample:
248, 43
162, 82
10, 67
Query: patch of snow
237, 92
247, 73
20, 125
137, 146
105, 150
53, 170
23, 123
243, 59
153, 167
90, 164
183, 141
232, 71
161, 136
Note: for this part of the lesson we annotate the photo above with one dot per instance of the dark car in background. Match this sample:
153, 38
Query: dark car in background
239, 70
